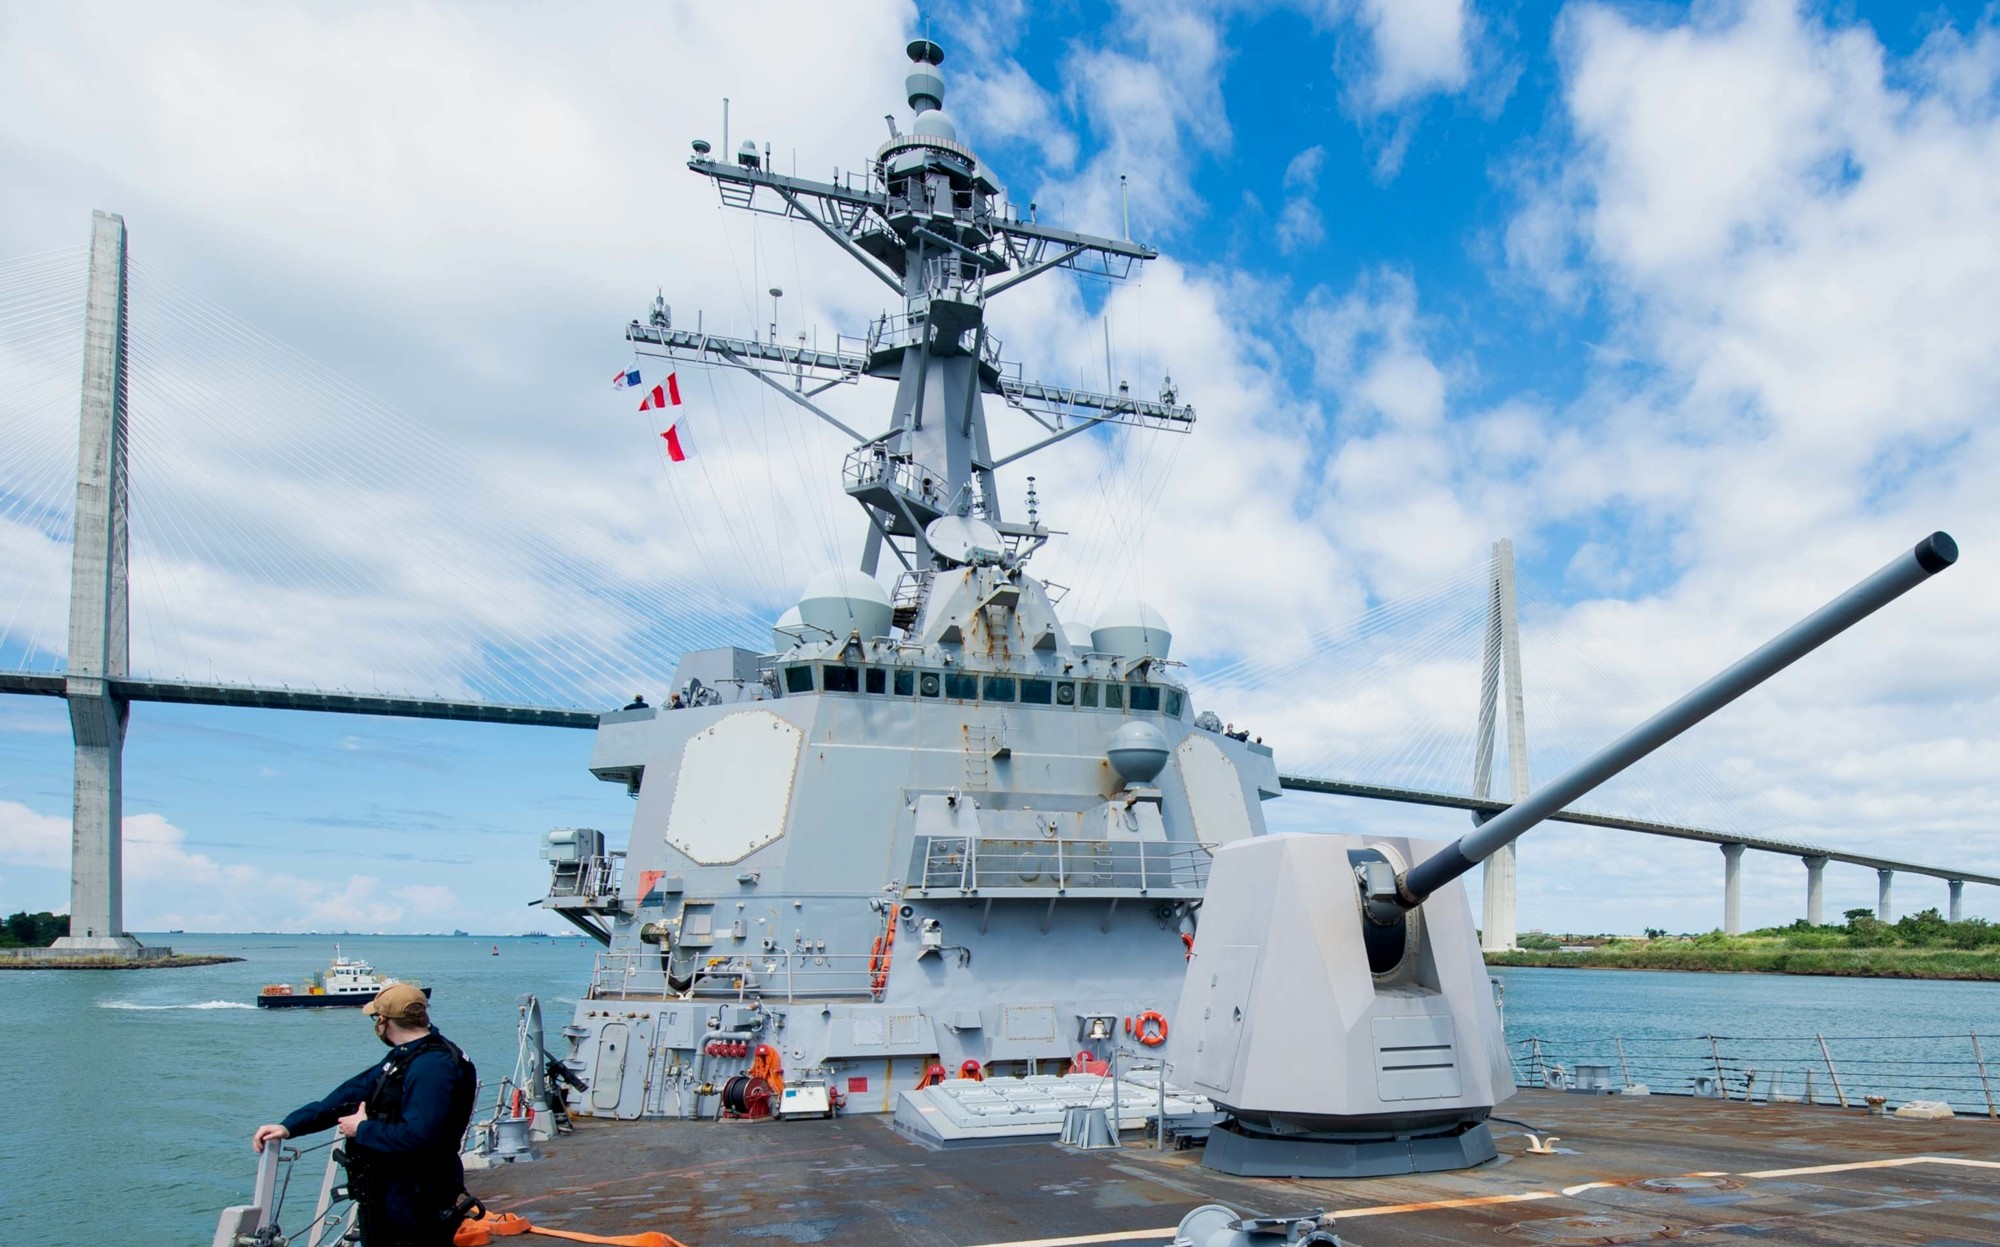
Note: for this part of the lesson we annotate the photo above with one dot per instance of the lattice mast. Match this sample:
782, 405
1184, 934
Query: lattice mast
927, 222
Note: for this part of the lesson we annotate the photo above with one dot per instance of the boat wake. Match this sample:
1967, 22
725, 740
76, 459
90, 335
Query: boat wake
204, 1004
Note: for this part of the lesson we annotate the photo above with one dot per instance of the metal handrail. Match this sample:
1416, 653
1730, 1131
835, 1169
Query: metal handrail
1776, 1068
625, 974
974, 864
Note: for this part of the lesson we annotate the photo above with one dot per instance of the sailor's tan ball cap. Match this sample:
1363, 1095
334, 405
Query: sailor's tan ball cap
400, 1002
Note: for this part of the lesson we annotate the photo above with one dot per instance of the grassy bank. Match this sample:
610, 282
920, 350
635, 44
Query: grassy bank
1877, 963
1922, 945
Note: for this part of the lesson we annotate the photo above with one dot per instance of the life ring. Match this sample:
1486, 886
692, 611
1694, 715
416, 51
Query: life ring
1143, 1024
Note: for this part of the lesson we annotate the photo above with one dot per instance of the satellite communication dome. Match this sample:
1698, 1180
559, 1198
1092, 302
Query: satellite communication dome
935, 123
840, 602
1138, 752
1131, 630
788, 631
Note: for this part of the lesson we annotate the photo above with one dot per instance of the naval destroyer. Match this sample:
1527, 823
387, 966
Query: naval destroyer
933, 826
932, 839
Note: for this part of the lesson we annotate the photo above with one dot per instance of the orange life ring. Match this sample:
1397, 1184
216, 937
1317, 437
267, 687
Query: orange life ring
1142, 1028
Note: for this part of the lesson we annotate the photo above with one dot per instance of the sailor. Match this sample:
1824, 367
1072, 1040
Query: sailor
638, 702
675, 703
403, 1120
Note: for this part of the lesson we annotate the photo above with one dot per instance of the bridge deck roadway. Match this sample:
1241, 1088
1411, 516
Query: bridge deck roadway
187, 693
1414, 796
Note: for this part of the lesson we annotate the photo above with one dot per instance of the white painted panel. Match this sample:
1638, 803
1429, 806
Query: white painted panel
1214, 790
734, 788
1416, 1058
1235, 973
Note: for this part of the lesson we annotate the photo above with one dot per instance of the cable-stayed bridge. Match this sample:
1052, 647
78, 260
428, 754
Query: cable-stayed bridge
162, 539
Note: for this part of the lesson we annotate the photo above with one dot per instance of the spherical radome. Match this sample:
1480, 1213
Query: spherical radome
1138, 752
1131, 630
839, 602
788, 631
935, 124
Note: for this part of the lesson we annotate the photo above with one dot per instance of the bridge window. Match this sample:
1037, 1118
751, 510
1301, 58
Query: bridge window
842, 680
1037, 692
1086, 695
1114, 697
999, 688
1144, 697
1174, 702
798, 679
964, 687
906, 684
875, 680
1065, 694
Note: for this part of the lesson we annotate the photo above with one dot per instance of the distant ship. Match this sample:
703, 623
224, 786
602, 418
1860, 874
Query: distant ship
348, 983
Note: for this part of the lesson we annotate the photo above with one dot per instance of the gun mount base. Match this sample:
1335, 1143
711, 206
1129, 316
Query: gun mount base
1234, 1148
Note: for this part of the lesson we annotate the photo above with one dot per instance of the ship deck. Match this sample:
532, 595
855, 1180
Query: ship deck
1779, 1173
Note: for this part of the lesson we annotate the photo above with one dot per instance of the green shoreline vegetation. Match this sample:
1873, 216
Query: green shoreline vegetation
26, 931
1922, 945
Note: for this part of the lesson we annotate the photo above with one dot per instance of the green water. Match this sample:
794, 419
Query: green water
134, 1092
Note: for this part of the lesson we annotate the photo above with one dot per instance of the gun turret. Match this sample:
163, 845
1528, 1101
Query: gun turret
1384, 994
1932, 555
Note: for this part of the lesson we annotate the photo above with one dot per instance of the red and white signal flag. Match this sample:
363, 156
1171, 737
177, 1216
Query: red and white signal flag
668, 395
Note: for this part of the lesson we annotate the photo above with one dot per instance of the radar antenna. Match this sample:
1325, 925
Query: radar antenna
929, 223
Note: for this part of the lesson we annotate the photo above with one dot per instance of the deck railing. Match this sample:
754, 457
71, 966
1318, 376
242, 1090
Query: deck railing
1849, 1071
974, 865
789, 972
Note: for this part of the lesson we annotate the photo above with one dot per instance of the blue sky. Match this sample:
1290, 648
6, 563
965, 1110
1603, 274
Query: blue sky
1695, 304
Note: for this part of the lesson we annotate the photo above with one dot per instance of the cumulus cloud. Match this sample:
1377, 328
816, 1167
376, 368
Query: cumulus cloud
171, 887
1789, 257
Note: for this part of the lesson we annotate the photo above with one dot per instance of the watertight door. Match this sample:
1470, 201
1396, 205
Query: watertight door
632, 1098
610, 1082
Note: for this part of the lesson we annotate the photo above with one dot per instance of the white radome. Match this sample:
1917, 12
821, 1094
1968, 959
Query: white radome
1131, 630
788, 631
839, 602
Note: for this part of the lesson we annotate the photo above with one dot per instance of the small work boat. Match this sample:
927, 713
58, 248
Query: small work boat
348, 983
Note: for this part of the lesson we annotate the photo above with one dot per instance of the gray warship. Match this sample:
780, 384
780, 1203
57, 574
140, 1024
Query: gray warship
932, 826
934, 854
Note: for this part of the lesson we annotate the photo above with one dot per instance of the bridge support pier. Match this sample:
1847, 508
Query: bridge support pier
1957, 899
1883, 878
1498, 927
1815, 890
1732, 889
99, 613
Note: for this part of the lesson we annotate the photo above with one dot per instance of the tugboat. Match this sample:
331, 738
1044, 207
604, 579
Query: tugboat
348, 983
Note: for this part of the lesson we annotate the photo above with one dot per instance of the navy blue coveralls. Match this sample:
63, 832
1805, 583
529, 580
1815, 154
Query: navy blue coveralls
419, 1101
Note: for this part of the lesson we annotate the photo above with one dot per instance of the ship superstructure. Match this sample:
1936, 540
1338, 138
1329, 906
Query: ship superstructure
933, 827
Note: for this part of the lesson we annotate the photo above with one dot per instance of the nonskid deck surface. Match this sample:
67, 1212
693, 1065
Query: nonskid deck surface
1769, 1173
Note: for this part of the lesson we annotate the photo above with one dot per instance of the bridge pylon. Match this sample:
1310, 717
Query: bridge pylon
1502, 665
100, 612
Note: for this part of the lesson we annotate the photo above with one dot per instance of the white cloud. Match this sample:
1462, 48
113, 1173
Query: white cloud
170, 887
1420, 48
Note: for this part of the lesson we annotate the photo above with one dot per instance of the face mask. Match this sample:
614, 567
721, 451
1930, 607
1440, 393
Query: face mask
382, 1032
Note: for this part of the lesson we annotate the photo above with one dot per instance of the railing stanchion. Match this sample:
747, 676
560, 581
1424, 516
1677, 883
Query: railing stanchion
1721, 1087
1831, 1072
1979, 1058
1536, 1070
1623, 1068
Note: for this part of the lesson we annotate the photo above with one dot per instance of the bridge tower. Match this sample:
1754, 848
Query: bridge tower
1502, 665
99, 612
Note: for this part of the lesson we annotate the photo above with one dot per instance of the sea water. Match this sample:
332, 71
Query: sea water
132, 1094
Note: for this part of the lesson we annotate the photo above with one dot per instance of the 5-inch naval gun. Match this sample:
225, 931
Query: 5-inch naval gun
1336, 1004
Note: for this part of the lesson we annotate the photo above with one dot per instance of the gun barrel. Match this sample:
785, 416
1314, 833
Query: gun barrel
1932, 555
